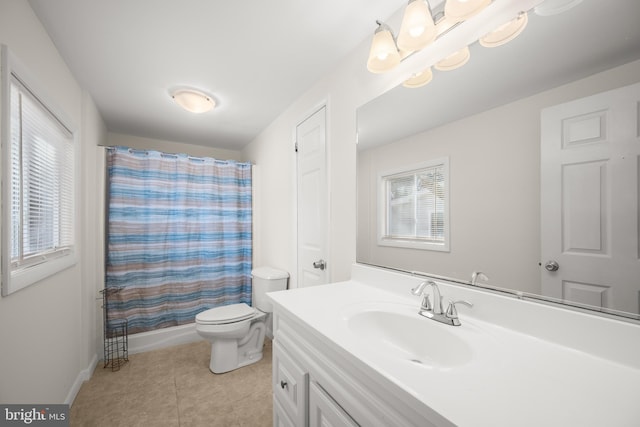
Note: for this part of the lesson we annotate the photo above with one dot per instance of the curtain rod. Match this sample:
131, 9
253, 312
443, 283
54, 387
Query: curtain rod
174, 155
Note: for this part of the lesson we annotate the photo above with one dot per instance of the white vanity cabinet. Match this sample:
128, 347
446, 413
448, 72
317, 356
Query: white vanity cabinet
315, 384
358, 353
299, 400
290, 388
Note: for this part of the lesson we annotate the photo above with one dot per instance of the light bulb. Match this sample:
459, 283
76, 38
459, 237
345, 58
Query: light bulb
383, 55
417, 29
506, 32
455, 60
419, 79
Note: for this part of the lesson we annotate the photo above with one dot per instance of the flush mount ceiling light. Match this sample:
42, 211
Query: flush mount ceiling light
506, 32
419, 79
193, 100
384, 54
418, 29
455, 60
461, 10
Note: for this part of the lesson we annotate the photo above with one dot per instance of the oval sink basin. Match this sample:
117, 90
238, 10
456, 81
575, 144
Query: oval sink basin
410, 337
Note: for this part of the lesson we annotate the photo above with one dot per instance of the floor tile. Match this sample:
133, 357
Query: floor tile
173, 387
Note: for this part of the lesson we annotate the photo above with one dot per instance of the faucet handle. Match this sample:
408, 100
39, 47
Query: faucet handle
452, 313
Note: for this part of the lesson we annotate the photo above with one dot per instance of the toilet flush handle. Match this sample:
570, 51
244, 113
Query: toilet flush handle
283, 384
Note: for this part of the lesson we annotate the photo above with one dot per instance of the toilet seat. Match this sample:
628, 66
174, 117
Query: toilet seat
226, 314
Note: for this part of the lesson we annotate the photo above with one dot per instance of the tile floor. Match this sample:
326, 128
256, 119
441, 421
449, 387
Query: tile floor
174, 387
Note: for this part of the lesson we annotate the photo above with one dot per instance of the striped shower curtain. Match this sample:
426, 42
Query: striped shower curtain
178, 236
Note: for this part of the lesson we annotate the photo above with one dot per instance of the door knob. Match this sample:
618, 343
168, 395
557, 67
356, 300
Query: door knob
551, 266
321, 264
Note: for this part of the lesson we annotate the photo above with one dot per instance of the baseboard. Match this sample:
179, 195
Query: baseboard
83, 376
161, 338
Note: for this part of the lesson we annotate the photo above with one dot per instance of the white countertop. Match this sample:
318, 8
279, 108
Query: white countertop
513, 378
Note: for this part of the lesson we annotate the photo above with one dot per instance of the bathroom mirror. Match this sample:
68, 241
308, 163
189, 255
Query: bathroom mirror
485, 119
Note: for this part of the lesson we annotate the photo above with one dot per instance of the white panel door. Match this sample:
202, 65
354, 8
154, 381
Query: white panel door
312, 201
590, 153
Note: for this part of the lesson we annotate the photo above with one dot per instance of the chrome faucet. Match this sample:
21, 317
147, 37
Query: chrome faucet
426, 302
478, 275
449, 317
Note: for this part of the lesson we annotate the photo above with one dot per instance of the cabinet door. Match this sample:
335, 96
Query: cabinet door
324, 411
280, 417
290, 384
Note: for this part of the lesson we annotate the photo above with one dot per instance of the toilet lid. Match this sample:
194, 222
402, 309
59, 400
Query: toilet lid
225, 314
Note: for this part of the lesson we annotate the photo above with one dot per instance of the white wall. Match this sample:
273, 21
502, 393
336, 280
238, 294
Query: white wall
344, 90
140, 143
92, 173
47, 330
495, 187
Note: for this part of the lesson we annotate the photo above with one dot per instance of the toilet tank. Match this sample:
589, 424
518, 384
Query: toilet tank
267, 279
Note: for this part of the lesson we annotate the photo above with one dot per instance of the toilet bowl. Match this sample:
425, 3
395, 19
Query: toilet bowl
236, 332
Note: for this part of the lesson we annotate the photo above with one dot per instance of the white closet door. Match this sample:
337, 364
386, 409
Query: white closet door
312, 201
590, 152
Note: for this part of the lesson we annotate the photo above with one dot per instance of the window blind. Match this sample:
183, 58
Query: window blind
416, 205
42, 170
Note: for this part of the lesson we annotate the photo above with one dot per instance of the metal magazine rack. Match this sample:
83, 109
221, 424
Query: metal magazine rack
116, 335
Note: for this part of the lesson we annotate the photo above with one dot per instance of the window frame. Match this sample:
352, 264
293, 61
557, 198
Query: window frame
15, 278
384, 239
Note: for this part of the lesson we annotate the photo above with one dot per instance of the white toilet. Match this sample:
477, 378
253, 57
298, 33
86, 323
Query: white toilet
237, 331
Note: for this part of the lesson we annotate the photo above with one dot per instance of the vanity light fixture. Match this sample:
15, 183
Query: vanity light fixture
506, 32
193, 100
418, 29
419, 79
461, 10
421, 26
455, 60
384, 54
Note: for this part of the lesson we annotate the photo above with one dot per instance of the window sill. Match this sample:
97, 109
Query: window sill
23, 277
414, 244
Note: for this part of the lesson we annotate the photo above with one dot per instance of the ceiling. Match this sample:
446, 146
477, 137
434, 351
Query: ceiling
254, 57
553, 50
257, 57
